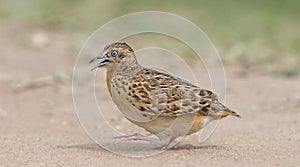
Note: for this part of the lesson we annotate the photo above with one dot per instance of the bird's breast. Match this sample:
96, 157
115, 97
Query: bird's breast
119, 90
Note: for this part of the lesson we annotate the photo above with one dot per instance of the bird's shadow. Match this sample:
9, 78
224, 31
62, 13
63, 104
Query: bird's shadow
194, 147
96, 147
90, 146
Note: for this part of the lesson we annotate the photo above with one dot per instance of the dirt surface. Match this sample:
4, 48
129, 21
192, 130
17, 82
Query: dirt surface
39, 126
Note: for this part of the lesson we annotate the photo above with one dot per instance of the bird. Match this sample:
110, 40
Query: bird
164, 105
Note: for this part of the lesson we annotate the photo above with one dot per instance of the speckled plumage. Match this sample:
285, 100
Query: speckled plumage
162, 104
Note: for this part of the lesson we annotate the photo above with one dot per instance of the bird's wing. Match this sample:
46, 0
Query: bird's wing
156, 93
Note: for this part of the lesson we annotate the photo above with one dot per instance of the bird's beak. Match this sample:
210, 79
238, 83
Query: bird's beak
103, 61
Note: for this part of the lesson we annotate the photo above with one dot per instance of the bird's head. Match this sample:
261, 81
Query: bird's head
114, 55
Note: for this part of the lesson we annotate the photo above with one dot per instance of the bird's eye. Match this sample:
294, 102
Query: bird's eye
114, 53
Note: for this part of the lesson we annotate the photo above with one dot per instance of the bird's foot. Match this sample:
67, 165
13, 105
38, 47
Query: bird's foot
168, 145
137, 136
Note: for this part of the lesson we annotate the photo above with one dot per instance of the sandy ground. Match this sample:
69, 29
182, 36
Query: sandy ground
39, 127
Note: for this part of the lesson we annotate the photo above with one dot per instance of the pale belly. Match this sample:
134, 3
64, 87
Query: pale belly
176, 126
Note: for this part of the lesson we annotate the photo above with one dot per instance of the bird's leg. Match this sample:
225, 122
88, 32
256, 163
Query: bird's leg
169, 144
137, 136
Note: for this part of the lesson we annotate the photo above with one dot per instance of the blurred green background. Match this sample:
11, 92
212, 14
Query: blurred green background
264, 34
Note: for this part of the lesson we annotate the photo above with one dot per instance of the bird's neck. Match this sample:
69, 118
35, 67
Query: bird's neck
128, 66
109, 75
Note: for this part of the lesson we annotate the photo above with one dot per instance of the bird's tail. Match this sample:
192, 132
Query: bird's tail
227, 112
221, 111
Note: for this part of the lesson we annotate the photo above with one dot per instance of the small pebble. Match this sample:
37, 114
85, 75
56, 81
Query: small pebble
52, 121
3, 113
64, 123
39, 39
